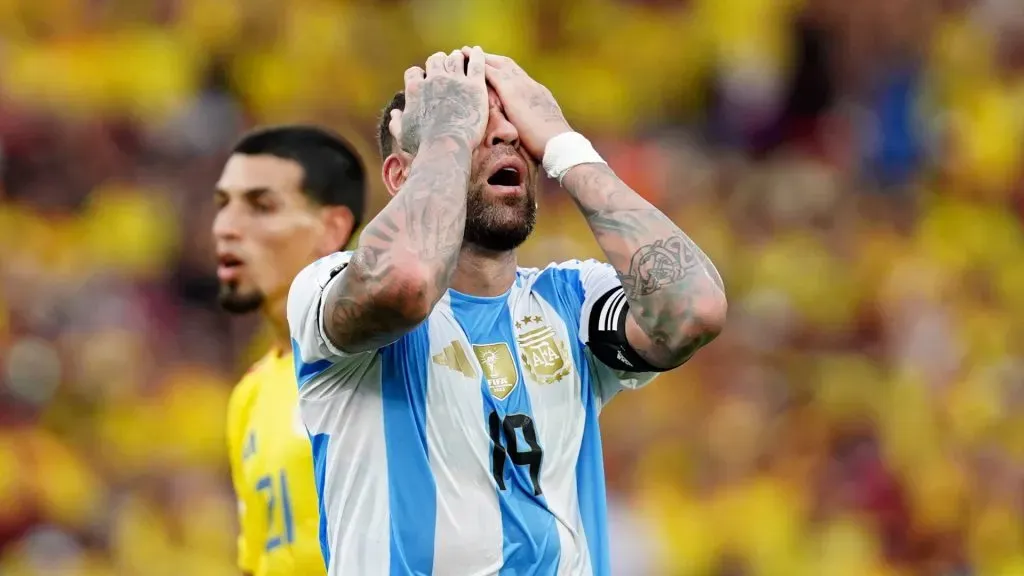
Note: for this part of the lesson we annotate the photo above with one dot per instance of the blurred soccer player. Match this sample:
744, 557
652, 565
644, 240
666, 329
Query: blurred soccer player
452, 396
287, 196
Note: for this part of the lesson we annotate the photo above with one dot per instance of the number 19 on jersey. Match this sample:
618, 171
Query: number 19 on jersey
510, 427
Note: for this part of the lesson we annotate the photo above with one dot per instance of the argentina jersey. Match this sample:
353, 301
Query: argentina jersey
470, 446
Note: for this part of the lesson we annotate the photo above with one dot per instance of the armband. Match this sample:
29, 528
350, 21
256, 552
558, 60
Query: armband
607, 330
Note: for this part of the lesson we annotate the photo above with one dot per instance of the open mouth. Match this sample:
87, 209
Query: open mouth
228, 261
228, 267
507, 176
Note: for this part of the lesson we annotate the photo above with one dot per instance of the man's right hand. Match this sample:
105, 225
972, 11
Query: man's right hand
447, 100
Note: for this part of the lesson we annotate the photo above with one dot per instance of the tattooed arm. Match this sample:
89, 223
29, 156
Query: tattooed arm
676, 297
407, 254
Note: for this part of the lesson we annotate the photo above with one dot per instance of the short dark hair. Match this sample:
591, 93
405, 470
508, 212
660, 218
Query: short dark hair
385, 141
332, 172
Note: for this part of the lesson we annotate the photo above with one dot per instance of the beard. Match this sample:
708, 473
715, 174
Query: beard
234, 301
501, 224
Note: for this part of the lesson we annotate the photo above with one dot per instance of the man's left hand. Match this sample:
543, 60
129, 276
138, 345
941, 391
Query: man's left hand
528, 104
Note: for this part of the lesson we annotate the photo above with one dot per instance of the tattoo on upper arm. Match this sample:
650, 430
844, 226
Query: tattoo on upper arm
352, 320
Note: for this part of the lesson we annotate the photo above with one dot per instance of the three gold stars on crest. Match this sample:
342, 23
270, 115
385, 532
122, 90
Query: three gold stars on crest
527, 320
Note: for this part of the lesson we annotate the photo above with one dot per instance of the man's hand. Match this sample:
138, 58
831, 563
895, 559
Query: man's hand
528, 104
447, 100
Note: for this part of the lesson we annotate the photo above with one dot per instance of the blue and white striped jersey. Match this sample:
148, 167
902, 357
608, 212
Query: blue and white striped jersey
470, 446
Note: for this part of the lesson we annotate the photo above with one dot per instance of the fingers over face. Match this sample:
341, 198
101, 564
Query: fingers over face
395, 124
499, 61
435, 64
413, 75
495, 60
455, 62
477, 62
498, 77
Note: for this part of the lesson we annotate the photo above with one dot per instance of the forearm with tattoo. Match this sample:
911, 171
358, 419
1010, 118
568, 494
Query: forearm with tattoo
676, 295
407, 253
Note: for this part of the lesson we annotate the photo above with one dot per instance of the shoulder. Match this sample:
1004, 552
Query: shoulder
245, 390
326, 268
306, 292
568, 276
316, 276
567, 271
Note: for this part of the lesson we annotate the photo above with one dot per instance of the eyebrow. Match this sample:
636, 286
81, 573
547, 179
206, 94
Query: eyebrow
249, 192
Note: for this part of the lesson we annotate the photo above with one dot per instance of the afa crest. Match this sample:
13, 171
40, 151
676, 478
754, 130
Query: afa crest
542, 352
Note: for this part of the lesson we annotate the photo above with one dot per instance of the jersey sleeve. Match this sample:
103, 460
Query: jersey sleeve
602, 326
320, 366
248, 546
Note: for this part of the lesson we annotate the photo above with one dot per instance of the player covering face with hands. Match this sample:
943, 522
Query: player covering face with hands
452, 396
501, 204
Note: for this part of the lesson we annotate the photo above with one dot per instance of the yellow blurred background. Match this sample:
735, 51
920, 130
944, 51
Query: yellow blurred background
853, 167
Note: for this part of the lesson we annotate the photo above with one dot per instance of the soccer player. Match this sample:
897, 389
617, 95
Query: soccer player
453, 397
287, 196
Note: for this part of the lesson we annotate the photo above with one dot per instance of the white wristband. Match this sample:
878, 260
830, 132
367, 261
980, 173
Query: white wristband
566, 151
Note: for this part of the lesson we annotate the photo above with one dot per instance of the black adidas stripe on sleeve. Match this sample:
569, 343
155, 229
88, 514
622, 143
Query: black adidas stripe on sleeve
607, 331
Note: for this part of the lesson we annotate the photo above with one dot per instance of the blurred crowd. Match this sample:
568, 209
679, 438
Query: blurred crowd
853, 167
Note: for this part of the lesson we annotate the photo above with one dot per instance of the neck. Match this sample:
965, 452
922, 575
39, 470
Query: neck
275, 313
483, 272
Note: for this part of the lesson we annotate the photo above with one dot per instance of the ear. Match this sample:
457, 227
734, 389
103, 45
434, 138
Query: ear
395, 170
338, 229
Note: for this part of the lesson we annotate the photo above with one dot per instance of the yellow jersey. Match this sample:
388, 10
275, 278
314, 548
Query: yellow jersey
272, 471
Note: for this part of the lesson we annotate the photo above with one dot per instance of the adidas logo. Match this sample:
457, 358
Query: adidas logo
454, 357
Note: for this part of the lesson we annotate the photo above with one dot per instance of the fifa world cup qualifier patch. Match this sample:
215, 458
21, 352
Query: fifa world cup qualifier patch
499, 368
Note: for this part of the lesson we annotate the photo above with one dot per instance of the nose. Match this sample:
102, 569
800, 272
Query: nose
225, 224
500, 130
